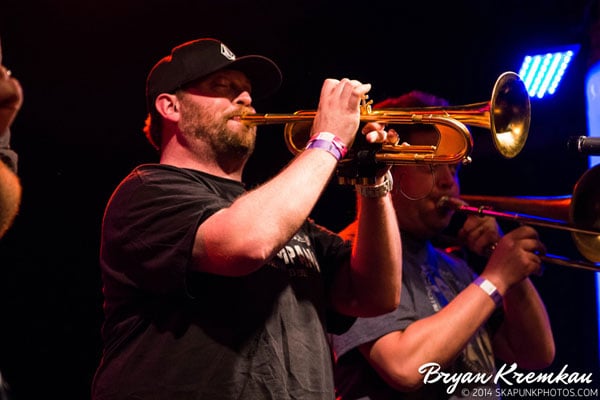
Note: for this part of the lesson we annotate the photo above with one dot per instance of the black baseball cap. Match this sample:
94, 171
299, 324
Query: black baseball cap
196, 59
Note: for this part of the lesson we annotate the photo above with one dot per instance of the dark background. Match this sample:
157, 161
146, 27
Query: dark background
83, 64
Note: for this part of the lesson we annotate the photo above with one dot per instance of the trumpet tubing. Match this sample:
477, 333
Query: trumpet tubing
454, 145
507, 115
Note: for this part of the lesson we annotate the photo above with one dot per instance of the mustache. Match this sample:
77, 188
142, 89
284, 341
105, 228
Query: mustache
243, 110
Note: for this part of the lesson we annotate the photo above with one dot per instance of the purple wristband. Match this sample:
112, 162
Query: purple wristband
330, 137
325, 145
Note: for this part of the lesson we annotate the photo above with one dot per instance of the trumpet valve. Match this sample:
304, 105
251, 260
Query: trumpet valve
366, 106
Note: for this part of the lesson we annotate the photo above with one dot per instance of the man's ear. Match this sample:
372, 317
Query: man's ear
168, 106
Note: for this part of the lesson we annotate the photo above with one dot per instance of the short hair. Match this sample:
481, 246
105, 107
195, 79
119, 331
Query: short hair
152, 129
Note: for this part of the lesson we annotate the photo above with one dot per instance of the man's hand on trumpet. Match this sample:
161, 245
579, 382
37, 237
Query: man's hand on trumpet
375, 132
338, 109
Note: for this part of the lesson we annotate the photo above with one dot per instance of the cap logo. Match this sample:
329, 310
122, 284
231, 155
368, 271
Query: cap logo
227, 53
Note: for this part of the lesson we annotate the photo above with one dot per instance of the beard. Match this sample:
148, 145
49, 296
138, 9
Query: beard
207, 129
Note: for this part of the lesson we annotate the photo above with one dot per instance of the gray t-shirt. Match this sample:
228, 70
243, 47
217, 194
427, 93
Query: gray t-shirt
431, 278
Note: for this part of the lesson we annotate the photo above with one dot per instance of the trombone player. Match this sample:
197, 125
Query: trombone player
450, 320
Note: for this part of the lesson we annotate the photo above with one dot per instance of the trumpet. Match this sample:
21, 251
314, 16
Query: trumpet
582, 210
507, 115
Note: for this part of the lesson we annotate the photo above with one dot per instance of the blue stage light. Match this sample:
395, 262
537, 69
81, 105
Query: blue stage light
542, 73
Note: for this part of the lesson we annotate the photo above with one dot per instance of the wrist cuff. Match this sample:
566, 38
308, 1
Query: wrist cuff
380, 190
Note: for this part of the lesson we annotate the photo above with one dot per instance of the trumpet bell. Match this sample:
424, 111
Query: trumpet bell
510, 110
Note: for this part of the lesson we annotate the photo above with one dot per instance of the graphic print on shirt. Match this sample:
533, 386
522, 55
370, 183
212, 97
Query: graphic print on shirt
438, 292
297, 256
477, 356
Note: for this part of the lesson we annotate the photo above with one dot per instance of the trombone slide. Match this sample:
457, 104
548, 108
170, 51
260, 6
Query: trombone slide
584, 238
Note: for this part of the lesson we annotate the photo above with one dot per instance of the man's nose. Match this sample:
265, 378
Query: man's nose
244, 98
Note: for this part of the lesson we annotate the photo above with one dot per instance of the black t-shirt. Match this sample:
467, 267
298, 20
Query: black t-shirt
170, 333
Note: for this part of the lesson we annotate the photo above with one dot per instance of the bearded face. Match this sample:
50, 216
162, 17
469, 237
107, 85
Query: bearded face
212, 126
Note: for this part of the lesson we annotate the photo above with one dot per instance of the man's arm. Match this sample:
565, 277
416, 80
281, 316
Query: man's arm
10, 197
371, 284
11, 98
525, 336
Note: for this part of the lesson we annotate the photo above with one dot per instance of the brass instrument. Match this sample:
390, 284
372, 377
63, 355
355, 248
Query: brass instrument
581, 209
507, 115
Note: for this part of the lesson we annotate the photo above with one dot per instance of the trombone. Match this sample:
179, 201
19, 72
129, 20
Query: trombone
507, 115
582, 209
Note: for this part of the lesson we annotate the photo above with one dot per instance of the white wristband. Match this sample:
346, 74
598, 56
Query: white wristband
490, 289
